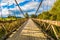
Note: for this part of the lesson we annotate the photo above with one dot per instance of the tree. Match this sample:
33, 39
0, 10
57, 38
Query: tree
33, 16
40, 16
26, 15
56, 10
53, 17
11, 16
44, 15
53, 14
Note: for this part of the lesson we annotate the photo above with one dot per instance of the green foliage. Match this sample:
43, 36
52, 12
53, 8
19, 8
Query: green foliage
2, 31
44, 15
26, 15
40, 16
11, 16
33, 16
58, 17
53, 17
56, 10
10, 26
53, 14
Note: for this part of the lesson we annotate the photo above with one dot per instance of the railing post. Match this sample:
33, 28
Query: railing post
54, 32
48, 27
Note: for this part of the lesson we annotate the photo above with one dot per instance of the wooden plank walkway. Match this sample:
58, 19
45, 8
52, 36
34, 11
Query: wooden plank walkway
29, 32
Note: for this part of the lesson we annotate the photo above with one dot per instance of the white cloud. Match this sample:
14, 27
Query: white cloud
28, 6
10, 1
5, 12
19, 15
48, 2
0, 14
34, 5
2, 4
31, 13
15, 8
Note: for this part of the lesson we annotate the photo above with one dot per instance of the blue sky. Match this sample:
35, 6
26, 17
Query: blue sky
9, 7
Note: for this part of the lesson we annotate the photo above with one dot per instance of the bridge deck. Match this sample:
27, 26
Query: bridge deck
29, 32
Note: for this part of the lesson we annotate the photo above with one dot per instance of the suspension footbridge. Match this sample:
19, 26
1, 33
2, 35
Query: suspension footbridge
30, 31
30, 28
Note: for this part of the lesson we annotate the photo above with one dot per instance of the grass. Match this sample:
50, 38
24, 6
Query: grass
10, 24
7, 19
57, 28
2, 32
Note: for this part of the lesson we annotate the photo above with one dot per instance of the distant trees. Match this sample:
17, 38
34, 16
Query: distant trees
11, 16
44, 15
26, 15
53, 17
48, 15
33, 16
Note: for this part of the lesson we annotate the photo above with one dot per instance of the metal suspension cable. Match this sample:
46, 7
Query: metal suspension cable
19, 8
38, 7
